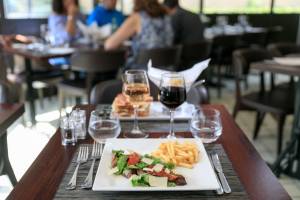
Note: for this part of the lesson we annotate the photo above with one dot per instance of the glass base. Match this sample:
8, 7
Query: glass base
136, 134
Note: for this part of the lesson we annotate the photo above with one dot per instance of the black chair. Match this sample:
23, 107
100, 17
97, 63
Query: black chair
221, 54
274, 34
254, 39
5, 166
105, 92
164, 58
278, 102
98, 65
194, 53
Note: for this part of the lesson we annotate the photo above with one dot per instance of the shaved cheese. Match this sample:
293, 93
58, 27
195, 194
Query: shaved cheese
158, 167
167, 171
148, 169
158, 181
134, 176
147, 161
113, 170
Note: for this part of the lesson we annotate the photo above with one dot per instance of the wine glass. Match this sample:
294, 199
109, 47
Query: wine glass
101, 128
136, 88
172, 95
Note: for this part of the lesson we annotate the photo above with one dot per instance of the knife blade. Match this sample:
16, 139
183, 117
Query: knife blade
220, 190
219, 169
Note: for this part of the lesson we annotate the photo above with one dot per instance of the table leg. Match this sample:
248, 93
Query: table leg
30, 91
7, 169
289, 161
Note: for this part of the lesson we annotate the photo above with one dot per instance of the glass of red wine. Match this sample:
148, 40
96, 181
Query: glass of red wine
172, 94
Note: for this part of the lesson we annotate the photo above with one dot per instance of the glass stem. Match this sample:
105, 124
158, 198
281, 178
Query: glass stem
172, 133
135, 123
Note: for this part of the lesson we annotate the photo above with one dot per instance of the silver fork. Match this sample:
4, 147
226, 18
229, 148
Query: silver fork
96, 154
82, 158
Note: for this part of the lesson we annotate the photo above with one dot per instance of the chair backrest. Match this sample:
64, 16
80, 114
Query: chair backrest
194, 53
274, 34
105, 92
161, 57
254, 39
242, 59
283, 49
3, 92
98, 61
197, 95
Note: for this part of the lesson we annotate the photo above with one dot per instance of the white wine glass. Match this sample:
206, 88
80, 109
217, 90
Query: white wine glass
136, 88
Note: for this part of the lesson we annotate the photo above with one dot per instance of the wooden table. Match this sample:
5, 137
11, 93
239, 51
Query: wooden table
29, 55
288, 161
9, 113
44, 176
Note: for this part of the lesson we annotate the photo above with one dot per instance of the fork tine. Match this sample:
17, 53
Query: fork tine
79, 154
94, 150
86, 153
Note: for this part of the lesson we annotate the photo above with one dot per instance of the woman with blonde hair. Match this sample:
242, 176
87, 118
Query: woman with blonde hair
149, 27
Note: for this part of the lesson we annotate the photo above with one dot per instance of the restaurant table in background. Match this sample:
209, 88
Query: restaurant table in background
29, 55
43, 178
288, 161
9, 113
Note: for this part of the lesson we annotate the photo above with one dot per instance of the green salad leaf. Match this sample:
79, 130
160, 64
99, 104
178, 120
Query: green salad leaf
141, 165
118, 153
142, 180
121, 164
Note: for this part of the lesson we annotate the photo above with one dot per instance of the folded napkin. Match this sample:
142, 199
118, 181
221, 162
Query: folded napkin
94, 33
190, 75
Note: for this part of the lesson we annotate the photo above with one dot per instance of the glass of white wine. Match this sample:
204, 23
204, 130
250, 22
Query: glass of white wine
136, 88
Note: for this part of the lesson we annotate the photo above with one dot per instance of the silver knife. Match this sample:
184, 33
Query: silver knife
220, 190
218, 167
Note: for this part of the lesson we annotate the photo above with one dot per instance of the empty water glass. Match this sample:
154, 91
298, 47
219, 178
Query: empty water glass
79, 118
67, 131
102, 128
206, 124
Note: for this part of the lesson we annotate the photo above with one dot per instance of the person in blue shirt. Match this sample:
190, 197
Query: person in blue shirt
106, 13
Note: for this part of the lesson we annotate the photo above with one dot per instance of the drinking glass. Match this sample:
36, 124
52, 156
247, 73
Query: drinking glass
79, 118
68, 136
172, 95
136, 88
101, 128
206, 124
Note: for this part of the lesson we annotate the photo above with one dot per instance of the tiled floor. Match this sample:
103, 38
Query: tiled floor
22, 155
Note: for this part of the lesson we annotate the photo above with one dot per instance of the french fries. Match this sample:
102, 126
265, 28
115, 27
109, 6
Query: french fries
185, 154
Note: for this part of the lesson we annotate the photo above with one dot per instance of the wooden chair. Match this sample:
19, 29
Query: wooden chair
165, 58
5, 166
278, 102
99, 65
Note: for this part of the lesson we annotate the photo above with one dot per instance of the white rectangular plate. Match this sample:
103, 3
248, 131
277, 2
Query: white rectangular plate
201, 177
157, 112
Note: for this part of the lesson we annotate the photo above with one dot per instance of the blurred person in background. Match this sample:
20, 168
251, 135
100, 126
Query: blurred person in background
62, 21
149, 27
187, 26
106, 13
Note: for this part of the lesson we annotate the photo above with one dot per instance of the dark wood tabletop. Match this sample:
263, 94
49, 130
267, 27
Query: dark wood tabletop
276, 68
9, 113
34, 55
44, 176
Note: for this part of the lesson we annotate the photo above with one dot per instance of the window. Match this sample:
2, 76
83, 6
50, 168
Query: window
126, 6
237, 6
191, 5
15, 9
287, 6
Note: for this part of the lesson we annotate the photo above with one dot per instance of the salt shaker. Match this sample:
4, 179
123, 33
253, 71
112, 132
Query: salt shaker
79, 118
